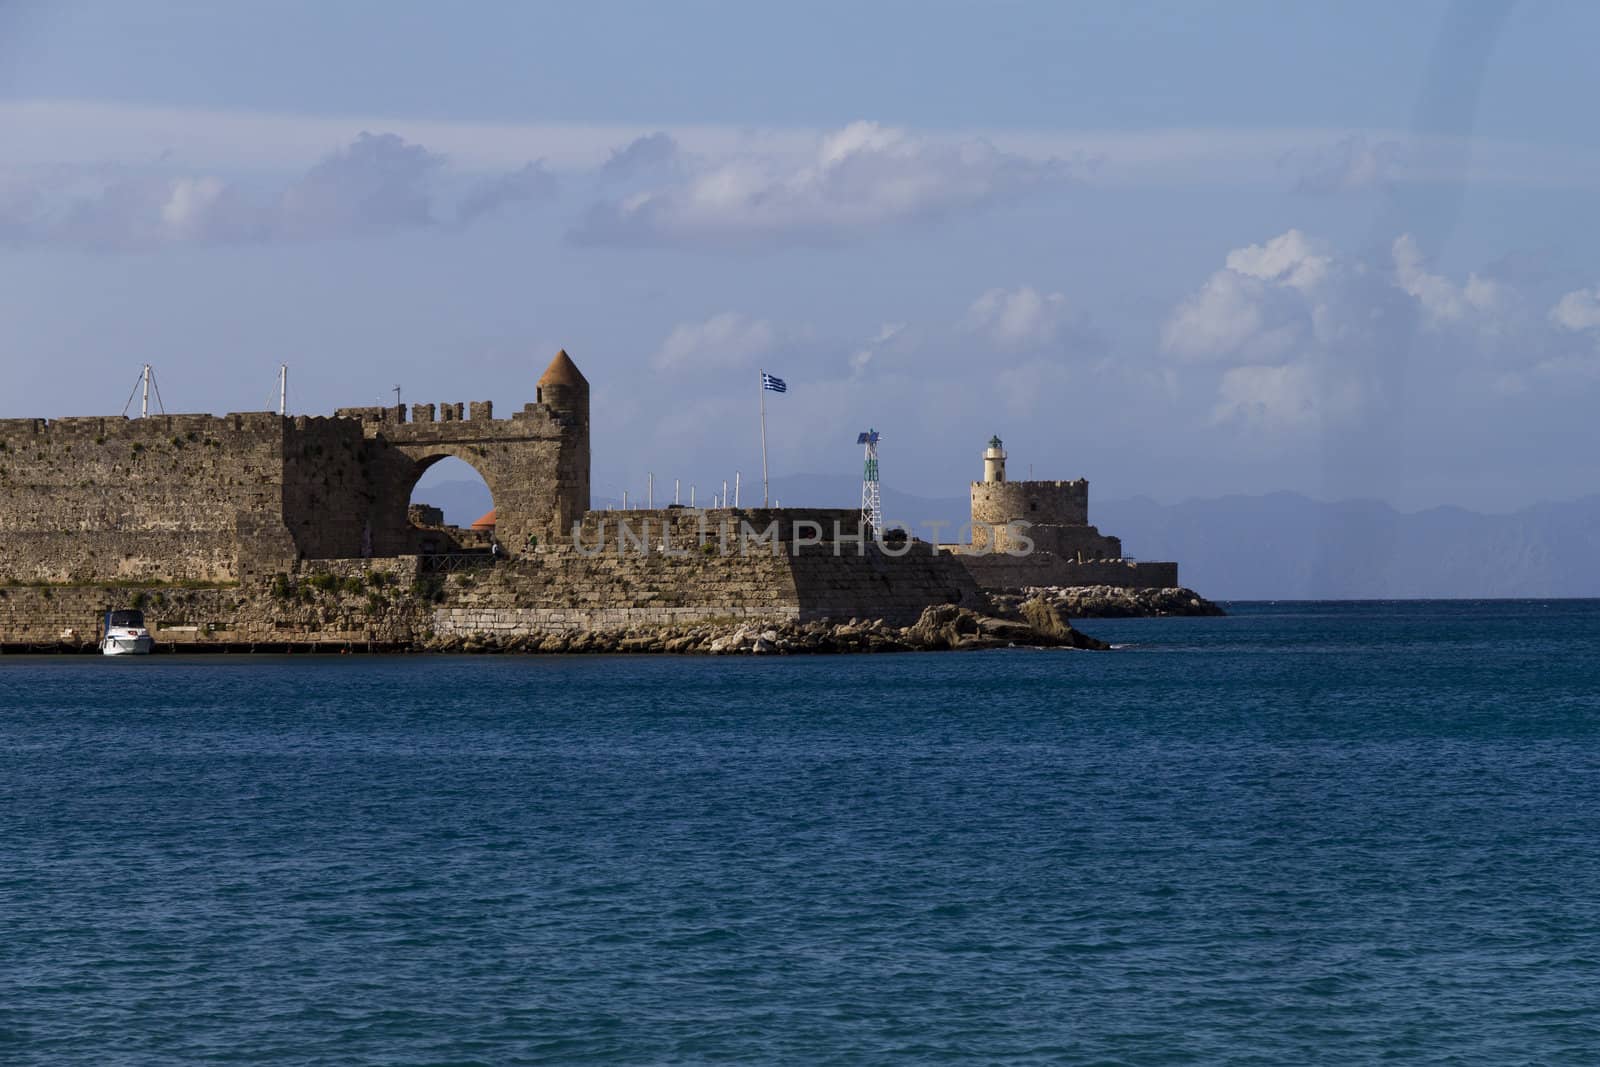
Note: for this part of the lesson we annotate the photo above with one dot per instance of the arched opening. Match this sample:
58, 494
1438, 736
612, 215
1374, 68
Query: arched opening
451, 508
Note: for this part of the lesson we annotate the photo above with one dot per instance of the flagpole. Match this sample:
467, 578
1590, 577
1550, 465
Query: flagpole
762, 381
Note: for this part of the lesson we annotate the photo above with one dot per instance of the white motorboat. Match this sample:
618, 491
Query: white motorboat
125, 634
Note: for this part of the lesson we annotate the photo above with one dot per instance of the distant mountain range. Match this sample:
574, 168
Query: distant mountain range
1286, 546
1280, 546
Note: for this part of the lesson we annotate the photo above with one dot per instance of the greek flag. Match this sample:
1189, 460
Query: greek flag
777, 385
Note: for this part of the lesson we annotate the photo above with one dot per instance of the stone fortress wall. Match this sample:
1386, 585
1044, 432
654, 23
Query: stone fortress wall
204, 498
674, 578
674, 566
173, 497
261, 530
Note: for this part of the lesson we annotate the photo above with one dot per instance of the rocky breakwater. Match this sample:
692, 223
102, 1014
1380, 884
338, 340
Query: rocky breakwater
1037, 623
1115, 602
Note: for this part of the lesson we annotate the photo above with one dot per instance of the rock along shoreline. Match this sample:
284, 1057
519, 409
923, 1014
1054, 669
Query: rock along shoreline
1116, 602
1034, 618
1035, 623
946, 627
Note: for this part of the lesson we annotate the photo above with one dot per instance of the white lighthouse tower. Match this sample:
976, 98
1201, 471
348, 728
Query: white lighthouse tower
994, 461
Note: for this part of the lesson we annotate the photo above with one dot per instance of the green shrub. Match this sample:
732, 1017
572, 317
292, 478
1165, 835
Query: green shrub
428, 590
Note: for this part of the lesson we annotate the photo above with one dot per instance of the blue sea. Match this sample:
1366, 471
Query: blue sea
1305, 833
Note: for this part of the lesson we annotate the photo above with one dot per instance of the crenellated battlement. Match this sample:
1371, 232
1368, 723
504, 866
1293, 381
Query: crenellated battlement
1063, 503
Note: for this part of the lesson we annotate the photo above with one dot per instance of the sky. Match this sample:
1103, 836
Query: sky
1347, 250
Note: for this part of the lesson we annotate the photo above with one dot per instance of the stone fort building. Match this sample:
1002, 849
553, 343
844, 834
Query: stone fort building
1037, 533
256, 516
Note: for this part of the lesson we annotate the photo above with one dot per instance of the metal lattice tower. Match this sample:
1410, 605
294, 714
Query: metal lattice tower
871, 504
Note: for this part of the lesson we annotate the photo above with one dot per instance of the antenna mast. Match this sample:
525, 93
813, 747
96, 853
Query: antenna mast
283, 389
143, 384
871, 504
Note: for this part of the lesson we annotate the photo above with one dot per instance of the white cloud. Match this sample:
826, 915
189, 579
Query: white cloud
377, 183
532, 183
725, 340
1024, 318
862, 177
641, 156
1578, 310
887, 333
1304, 332
1443, 300
191, 201
1260, 308
1289, 259
1270, 396
1289, 296
134, 211
1233, 316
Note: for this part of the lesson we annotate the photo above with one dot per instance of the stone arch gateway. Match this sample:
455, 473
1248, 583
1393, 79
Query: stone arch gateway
535, 463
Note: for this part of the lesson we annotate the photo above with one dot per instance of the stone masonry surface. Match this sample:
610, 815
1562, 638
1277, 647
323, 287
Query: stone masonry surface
184, 498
